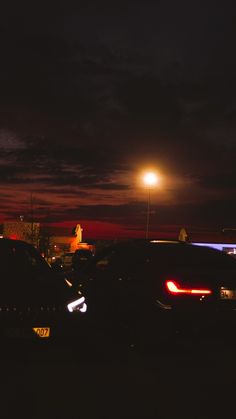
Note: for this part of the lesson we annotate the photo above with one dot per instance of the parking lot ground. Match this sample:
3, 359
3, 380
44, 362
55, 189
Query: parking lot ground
194, 380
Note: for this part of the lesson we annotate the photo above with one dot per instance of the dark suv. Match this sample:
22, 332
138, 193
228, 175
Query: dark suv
149, 289
81, 259
35, 300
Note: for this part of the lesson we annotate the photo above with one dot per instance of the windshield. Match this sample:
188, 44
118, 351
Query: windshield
17, 258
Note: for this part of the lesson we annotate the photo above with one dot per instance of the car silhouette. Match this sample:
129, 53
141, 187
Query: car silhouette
81, 259
148, 290
36, 301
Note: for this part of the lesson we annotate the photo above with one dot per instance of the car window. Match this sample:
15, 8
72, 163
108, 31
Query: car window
31, 258
23, 261
6, 258
22, 270
134, 258
191, 257
125, 259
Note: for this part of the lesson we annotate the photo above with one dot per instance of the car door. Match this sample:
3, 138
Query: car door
111, 287
34, 282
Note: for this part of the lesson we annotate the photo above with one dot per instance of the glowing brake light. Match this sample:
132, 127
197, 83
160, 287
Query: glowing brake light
173, 288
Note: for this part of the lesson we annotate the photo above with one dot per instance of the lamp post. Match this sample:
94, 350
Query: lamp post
150, 179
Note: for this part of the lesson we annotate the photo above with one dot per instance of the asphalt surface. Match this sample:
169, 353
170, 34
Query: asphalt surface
192, 379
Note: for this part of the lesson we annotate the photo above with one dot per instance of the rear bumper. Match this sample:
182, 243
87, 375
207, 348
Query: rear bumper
217, 323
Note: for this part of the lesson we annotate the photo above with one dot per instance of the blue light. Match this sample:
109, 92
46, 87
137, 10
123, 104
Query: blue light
218, 246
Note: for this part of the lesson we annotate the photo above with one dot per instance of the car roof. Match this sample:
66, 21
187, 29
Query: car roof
163, 251
140, 244
166, 246
12, 242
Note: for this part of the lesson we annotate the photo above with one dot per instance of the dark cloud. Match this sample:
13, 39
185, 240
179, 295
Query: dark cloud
92, 93
224, 181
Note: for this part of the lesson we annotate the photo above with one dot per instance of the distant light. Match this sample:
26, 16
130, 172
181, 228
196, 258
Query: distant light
68, 283
233, 252
13, 237
150, 179
218, 246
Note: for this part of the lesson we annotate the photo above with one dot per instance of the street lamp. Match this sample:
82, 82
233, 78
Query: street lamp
150, 179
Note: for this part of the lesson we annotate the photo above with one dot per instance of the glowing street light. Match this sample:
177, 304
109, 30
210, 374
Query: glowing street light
150, 179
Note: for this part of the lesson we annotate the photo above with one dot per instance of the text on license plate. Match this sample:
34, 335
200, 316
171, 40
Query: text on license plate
42, 332
227, 294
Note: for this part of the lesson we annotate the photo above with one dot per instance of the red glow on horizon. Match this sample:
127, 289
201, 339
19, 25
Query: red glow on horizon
104, 230
13, 237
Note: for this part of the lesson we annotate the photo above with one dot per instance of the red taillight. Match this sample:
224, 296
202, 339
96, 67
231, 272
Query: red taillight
174, 288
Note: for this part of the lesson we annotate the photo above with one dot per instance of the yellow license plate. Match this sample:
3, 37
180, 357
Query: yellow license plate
42, 332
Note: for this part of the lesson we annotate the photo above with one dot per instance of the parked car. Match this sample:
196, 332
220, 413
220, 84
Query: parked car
56, 261
35, 300
67, 260
146, 290
81, 259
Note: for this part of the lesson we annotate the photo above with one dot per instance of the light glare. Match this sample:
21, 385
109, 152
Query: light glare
150, 179
79, 305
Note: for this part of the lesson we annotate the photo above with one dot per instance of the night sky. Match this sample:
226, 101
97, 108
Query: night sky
93, 94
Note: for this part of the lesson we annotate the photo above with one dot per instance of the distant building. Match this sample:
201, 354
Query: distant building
20, 230
183, 236
70, 243
60, 244
78, 233
56, 245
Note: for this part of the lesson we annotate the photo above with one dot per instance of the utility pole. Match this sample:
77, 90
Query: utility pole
32, 217
150, 179
148, 212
